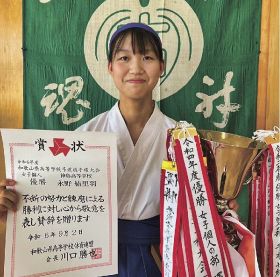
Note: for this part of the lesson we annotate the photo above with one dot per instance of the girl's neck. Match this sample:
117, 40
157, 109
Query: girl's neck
136, 114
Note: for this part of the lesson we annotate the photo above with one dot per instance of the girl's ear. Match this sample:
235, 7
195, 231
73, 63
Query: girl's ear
162, 67
110, 68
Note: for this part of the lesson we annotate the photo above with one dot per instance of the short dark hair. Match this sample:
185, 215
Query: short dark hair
140, 38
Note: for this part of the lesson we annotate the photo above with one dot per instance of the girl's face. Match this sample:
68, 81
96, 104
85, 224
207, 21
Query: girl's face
135, 75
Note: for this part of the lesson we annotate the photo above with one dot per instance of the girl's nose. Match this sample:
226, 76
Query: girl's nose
136, 66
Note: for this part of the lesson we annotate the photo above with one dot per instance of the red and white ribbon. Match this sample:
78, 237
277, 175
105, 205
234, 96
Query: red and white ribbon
264, 215
170, 230
209, 232
274, 213
247, 245
265, 212
254, 192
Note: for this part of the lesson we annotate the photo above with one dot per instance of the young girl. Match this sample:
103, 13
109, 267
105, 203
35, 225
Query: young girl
135, 63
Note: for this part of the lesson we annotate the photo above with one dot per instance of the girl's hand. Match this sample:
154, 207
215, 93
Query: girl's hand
233, 204
8, 198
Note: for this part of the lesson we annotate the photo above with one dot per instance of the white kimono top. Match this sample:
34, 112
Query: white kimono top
139, 165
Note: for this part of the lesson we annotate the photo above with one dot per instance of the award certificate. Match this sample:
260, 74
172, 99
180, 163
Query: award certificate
66, 219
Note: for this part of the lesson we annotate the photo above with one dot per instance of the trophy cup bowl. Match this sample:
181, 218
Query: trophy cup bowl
229, 160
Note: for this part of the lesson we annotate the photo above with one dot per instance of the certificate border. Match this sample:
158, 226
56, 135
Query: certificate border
108, 149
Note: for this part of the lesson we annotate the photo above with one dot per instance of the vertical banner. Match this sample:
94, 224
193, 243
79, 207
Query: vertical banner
211, 51
66, 221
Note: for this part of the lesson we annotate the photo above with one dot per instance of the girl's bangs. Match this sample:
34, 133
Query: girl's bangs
141, 41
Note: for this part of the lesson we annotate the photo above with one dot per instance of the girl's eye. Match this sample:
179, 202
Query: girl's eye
148, 58
123, 58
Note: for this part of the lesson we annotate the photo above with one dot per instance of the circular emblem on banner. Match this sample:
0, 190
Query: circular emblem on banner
176, 24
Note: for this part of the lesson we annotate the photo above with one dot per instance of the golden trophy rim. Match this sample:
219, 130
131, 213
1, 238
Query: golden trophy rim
224, 138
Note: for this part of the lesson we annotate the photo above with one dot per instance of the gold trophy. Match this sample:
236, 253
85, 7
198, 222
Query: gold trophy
230, 159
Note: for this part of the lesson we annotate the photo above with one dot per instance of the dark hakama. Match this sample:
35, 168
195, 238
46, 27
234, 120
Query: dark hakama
134, 252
